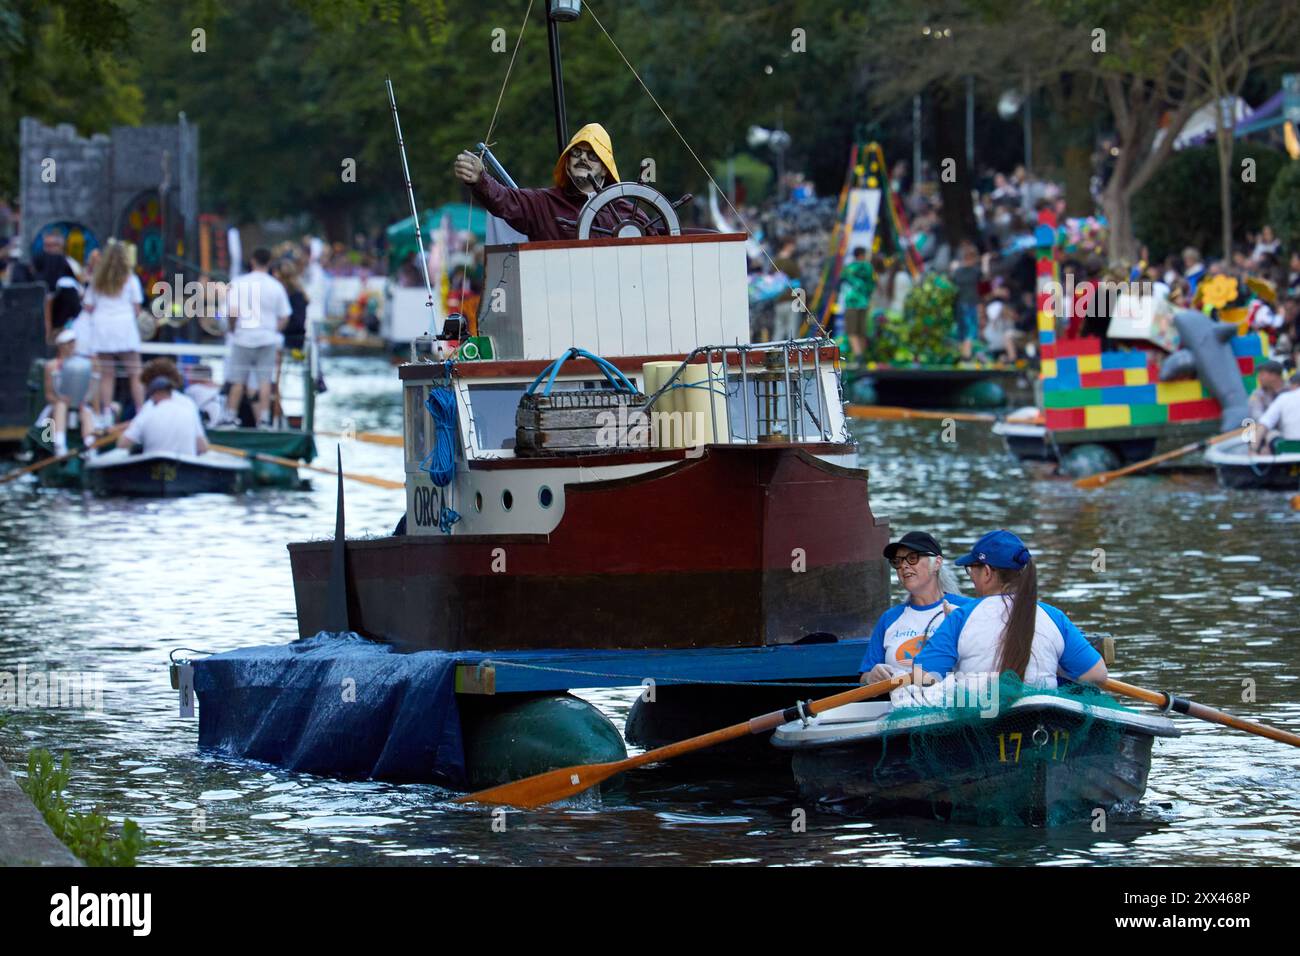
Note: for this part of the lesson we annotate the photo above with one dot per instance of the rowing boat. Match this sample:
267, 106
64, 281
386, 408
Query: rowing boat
1239, 467
166, 474
1046, 759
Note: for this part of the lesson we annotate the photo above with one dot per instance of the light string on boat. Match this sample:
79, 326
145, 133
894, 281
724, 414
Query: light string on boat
688, 146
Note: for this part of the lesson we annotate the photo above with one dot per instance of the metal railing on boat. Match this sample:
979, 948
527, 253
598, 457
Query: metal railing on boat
775, 368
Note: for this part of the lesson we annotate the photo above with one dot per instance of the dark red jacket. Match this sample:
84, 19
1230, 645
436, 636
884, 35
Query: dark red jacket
534, 211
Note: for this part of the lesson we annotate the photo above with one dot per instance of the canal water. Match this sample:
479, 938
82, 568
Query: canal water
1197, 584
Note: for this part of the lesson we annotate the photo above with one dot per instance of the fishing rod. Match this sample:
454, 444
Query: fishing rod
410, 195
495, 165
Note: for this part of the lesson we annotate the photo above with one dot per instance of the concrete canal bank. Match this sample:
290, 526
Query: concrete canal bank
25, 840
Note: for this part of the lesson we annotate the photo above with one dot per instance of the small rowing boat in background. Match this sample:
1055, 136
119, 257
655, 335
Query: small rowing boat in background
1239, 467
1045, 759
166, 474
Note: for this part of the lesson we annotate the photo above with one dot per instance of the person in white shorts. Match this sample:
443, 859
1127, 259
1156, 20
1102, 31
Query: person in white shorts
112, 300
167, 423
259, 309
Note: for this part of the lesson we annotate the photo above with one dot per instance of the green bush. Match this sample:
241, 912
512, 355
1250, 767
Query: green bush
1284, 206
924, 332
753, 172
1180, 205
85, 834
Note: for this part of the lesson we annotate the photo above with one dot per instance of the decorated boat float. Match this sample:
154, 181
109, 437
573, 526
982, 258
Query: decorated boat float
683, 515
1101, 409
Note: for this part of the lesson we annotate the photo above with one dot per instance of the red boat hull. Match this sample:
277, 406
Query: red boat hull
743, 546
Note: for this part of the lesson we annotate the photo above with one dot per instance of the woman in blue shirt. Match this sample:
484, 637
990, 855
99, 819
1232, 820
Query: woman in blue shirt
1006, 628
903, 630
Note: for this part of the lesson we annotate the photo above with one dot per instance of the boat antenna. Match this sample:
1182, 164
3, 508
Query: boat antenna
410, 195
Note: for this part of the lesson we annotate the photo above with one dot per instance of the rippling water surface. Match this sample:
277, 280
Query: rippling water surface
1199, 587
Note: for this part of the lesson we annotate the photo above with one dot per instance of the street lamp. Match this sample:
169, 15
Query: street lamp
566, 11
561, 11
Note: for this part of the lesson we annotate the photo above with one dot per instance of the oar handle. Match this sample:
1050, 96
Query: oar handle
290, 463
770, 721
1167, 702
891, 412
1096, 481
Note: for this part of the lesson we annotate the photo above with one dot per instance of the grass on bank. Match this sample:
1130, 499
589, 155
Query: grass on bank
85, 834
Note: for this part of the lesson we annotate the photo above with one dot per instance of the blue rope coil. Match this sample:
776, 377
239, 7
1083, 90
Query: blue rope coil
440, 463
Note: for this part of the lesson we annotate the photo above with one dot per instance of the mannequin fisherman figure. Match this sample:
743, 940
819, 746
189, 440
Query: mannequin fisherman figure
583, 169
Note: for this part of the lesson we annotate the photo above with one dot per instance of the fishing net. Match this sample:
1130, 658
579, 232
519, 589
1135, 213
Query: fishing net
989, 763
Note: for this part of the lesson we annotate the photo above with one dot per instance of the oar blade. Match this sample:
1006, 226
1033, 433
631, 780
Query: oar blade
543, 788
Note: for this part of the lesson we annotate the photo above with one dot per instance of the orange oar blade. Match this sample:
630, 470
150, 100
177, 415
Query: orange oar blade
533, 792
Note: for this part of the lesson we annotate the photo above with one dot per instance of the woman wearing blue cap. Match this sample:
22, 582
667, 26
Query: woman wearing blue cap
903, 630
1006, 628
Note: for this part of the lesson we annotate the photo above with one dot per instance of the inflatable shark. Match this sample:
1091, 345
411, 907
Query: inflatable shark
1206, 353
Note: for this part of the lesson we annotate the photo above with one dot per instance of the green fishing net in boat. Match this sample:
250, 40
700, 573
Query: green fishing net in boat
984, 761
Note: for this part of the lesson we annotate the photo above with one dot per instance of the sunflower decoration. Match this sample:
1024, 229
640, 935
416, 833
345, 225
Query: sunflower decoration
1217, 292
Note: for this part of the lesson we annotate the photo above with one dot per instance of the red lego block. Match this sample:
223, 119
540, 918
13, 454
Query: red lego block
1102, 379
1045, 266
1194, 411
1047, 351
1047, 217
1080, 346
1063, 418
1246, 363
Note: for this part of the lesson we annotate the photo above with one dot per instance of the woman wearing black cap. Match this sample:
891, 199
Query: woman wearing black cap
903, 630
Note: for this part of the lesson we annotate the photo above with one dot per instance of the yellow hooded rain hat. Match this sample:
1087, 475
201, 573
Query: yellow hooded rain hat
594, 135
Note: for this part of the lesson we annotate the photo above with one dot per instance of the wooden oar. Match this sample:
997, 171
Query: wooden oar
291, 463
375, 438
544, 788
1193, 709
1096, 481
110, 435
893, 413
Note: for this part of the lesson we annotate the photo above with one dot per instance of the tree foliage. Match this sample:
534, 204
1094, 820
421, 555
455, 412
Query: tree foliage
1180, 206
1284, 206
62, 61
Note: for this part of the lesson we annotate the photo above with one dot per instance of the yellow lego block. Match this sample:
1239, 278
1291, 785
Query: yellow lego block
1106, 416
1167, 393
1046, 322
1047, 368
1089, 363
1135, 376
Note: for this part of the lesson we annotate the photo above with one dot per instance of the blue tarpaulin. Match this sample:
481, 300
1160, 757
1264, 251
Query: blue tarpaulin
335, 704
341, 705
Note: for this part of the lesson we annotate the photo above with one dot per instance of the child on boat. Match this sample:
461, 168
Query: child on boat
903, 630
68, 379
1006, 628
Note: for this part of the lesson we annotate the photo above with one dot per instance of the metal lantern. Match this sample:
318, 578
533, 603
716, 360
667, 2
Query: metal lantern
566, 11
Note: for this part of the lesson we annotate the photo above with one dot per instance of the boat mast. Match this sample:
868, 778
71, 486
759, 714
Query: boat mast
559, 11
